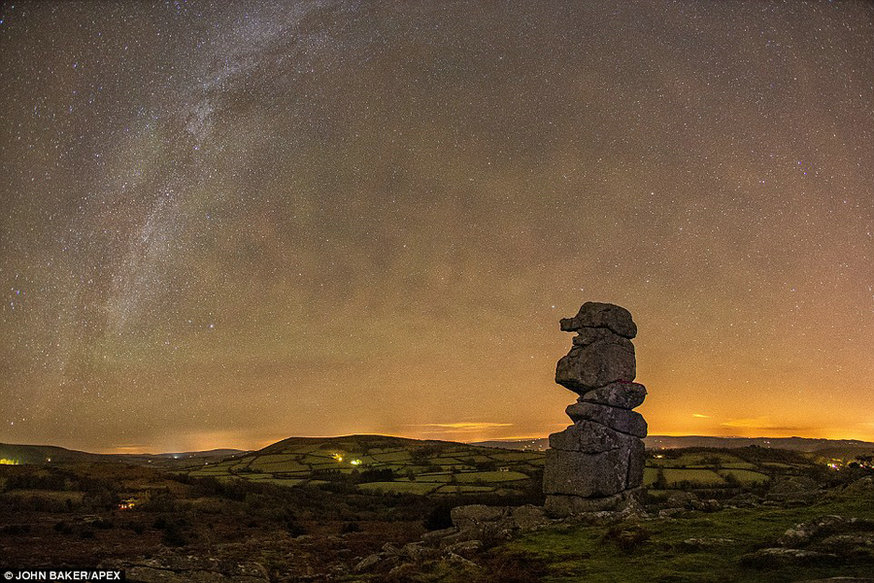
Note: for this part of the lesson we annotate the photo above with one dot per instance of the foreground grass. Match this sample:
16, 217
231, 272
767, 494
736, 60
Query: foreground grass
665, 551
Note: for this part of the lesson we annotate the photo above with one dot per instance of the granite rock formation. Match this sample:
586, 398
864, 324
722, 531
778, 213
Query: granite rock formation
597, 463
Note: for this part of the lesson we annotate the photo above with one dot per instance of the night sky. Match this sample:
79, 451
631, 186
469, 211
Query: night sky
226, 223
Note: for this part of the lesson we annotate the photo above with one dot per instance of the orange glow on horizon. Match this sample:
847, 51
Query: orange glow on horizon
726, 432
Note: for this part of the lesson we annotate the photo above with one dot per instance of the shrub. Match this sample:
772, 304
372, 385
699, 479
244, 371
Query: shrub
440, 515
384, 475
627, 538
173, 536
504, 567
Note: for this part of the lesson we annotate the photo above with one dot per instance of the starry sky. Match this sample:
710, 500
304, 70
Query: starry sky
226, 223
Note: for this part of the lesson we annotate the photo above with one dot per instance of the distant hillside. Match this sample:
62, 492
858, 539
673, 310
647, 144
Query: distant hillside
791, 443
382, 464
41, 454
536, 444
671, 442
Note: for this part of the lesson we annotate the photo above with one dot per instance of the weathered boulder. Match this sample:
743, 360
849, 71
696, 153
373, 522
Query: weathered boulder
622, 395
586, 474
172, 568
781, 557
564, 505
477, 521
367, 563
473, 515
586, 368
598, 315
803, 533
529, 517
590, 437
466, 549
622, 420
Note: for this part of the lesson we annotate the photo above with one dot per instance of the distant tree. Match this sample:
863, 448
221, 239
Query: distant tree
420, 455
377, 475
173, 535
731, 480
661, 482
627, 538
713, 461
440, 515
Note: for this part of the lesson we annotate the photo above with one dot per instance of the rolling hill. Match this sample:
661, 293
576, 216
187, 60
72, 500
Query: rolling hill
380, 464
15, 454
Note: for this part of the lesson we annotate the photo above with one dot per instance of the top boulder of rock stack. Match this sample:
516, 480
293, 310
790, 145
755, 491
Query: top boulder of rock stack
597, 315
602, 351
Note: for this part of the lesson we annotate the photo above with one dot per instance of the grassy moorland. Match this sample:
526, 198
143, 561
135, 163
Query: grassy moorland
315, 509
700, 547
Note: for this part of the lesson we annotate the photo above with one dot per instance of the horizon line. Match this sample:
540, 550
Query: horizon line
470, 442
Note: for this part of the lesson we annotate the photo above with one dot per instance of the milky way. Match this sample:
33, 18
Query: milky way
228, 223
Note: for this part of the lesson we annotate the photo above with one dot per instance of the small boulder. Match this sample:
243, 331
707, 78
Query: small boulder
367, 563
466, 549
475, 515
781, 557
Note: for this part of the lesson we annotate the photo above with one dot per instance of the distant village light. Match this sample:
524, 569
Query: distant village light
127, 504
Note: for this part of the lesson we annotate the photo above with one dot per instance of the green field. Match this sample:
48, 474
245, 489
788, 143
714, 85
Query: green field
399, 487
676, 477
745, 476
650, 475
490, 476
377, 464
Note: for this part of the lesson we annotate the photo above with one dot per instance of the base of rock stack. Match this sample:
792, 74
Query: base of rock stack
561, 506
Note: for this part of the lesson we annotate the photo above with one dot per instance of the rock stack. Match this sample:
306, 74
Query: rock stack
597, 463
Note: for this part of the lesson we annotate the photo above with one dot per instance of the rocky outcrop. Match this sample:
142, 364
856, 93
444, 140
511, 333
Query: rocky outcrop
596, 464
824, 540
170, 568
457, 546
